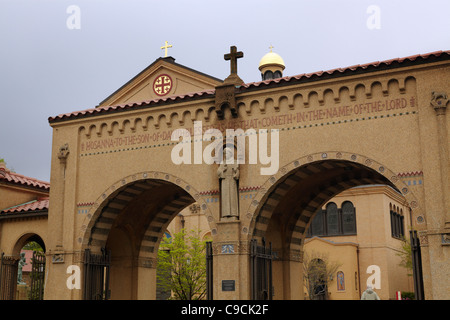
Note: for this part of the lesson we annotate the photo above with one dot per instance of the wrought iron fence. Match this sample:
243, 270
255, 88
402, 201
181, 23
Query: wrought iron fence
209, 271
37, 276
261, 270
8, 277
96, 275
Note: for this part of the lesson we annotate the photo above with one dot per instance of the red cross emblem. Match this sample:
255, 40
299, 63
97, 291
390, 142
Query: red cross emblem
162, 85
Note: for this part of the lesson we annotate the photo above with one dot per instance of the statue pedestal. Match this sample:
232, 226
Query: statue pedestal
22, 292
231, 262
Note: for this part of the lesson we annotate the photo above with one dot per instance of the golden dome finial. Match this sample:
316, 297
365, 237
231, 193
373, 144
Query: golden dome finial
271, 65
271, 58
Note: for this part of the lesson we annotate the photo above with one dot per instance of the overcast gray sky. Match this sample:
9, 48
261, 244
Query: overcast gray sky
60, 56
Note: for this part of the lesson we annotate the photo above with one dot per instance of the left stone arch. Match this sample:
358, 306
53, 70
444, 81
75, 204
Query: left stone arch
101, 216
129, 220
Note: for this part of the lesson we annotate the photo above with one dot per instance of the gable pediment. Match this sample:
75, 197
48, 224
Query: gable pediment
163, 78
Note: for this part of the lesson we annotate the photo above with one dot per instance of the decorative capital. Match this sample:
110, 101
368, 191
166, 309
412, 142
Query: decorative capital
439, 102
63, 153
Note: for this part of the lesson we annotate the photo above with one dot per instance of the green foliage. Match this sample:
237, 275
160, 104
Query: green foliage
408, 295
406, 256
33, 246
182, 265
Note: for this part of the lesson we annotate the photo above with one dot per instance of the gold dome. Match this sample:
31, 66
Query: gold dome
271, 58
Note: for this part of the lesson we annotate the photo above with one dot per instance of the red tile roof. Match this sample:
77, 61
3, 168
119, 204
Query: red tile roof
105, 109
373, 66
360, 67
31, 206
19, 179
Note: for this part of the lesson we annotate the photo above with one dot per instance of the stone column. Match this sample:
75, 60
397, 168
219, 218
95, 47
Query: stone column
439, 101
57, 263
62, 156
231, 263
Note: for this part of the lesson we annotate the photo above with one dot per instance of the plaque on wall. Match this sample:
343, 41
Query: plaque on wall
228, 285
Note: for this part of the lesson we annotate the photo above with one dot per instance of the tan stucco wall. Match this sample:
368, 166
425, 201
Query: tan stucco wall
14, 233
398, 140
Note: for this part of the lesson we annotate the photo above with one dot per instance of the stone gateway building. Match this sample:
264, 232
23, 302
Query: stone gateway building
122, 171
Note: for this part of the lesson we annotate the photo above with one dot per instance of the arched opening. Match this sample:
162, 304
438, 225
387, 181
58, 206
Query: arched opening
130, 225
22, 274
285, 213
316, 274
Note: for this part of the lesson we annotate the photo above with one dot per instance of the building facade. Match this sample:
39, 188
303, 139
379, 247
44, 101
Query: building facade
122, 171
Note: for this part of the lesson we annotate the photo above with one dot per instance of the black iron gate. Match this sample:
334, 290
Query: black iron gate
417, 265
209, 271
96, 275
37, 276
8, 277
261, 270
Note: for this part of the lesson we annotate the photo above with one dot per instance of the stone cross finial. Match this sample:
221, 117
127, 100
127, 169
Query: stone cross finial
233, 78
233, 56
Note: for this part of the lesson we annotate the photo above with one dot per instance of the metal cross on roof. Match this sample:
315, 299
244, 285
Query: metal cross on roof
165, 47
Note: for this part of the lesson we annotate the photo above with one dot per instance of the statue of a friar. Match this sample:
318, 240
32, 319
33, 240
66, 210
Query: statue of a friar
228, 173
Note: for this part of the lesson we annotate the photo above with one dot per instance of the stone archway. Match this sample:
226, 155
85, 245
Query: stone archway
24, 239
129, 219
13, 284
286, 203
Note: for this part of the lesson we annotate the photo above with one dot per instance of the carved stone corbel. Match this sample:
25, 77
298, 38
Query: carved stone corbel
225, 97
439, 102
63, 153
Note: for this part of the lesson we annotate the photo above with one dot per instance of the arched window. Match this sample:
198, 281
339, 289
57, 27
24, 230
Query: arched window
332, 219
317, 227
277, 74
268, 75
317, 279
397, 222
348, 218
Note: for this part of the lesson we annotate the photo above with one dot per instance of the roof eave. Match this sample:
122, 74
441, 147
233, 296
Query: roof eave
378, 66
24, 214
349, 71
209, 94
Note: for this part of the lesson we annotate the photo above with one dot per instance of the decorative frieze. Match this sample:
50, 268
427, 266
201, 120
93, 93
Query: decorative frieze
329, 104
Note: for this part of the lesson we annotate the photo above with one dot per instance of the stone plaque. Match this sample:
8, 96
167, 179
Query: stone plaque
228, 285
